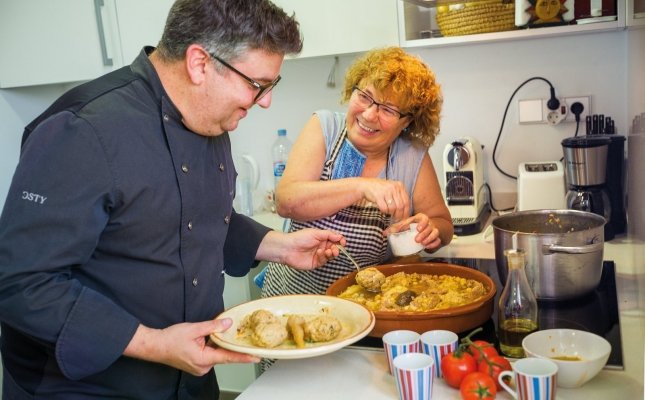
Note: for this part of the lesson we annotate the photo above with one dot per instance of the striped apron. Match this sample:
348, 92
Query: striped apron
362, 224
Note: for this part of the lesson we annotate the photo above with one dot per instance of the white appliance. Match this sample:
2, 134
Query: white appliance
464, 185
541, 186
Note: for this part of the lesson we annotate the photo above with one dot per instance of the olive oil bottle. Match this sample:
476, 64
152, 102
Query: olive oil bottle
518, 310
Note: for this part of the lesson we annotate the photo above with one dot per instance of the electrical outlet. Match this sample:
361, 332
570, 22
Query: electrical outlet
535, 111
586, 103
554, 117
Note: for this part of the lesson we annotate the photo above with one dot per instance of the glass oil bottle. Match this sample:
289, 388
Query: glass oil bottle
518, 310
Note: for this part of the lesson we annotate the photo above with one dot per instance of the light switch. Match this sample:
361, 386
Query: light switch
530, 111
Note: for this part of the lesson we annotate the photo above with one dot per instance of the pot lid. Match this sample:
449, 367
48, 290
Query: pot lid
586, 141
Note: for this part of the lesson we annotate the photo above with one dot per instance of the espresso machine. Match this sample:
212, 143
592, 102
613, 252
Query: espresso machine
585, 159
464, 185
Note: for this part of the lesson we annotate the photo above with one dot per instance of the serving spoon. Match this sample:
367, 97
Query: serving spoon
375, 288
346, 253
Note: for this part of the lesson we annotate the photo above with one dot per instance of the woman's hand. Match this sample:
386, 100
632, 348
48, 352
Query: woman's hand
389, 196
427, 232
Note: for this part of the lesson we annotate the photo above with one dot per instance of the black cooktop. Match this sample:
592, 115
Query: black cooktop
596, 312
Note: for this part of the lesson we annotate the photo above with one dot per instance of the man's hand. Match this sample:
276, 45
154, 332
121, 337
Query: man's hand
185, 346
304, 249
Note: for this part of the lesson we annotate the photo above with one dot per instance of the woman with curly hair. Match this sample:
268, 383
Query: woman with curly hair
366, 173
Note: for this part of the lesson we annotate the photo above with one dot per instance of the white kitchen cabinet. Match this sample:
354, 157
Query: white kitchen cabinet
141, 23
635, 13
56, 41
332, 27
416, 20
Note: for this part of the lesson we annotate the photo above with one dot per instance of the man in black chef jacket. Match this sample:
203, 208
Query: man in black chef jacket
118, 226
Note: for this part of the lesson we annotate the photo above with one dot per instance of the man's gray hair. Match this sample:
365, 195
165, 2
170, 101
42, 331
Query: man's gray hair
228, 28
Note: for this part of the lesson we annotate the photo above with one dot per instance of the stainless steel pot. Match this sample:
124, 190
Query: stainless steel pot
564, 250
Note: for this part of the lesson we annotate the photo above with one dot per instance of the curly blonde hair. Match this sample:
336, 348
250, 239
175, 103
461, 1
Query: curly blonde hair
405, 79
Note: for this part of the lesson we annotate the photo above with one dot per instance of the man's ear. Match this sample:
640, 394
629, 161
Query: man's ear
196, 62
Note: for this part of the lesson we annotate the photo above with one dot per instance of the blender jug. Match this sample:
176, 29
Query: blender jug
248, 176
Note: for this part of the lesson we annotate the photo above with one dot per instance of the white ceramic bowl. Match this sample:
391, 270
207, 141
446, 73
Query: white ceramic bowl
403, 243
588, 353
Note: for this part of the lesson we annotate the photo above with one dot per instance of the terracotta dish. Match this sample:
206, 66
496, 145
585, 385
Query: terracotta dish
456, 319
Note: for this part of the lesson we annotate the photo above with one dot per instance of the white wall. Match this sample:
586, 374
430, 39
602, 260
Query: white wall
477, 80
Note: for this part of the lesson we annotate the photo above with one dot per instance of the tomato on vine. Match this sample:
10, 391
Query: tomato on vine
481, 348
456, 366
478, 386
493, 366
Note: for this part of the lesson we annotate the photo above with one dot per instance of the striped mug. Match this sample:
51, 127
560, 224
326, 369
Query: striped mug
437, 343
535, 379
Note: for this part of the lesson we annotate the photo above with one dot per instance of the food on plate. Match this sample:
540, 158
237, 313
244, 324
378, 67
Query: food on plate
415, 292
567, 358
265, 329
296, 328
478, 386
260, 317
322, 328
371, 279
269, 334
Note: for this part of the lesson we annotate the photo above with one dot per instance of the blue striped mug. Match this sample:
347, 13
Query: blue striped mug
535, 379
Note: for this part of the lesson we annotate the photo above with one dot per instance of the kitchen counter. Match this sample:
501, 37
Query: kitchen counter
362, 374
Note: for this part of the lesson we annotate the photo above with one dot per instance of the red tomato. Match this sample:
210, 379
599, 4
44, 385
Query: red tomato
478, 386
493, 366
481, 346
455, 366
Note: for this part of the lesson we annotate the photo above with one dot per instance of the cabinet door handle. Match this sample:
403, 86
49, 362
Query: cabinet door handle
98, 4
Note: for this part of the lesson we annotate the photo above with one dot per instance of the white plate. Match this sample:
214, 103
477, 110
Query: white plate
356, 320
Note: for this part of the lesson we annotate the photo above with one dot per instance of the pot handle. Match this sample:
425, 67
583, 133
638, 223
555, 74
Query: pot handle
590, 248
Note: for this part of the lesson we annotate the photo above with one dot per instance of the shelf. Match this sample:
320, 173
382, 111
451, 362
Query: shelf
417, 22
435, 3
530, 33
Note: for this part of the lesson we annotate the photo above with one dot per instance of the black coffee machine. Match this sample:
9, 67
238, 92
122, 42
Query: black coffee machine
594, 175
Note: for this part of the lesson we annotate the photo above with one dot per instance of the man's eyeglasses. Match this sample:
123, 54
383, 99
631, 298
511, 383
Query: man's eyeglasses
384, 111
262, 89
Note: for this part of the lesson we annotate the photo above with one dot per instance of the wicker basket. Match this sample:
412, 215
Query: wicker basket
477, 17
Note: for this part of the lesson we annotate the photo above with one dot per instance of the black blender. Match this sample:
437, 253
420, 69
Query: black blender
585, 159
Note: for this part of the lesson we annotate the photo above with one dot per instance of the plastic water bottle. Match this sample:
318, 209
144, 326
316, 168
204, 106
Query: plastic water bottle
280, 149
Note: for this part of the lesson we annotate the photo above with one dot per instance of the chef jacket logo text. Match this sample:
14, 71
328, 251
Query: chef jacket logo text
36, 198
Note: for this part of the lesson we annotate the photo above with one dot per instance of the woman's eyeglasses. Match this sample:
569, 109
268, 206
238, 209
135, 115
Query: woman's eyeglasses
386, 112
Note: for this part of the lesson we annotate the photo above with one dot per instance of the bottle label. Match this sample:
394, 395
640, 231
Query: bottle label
278, 169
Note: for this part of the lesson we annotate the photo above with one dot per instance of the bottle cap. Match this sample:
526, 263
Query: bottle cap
282, 132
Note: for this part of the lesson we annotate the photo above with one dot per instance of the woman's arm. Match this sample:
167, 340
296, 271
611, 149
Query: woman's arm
428, 200
301, 195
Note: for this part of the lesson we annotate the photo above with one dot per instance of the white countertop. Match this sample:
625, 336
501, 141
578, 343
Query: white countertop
362, 374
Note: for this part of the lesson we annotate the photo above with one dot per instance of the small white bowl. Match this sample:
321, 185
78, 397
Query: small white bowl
588, 353
403, 243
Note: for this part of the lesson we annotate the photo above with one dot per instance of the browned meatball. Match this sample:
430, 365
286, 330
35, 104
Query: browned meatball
269, 334
322, 329
370, 278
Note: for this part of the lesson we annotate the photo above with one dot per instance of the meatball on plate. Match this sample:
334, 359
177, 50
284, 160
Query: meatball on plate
294, 326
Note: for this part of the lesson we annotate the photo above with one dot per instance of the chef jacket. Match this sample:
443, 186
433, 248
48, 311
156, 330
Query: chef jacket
117, 215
